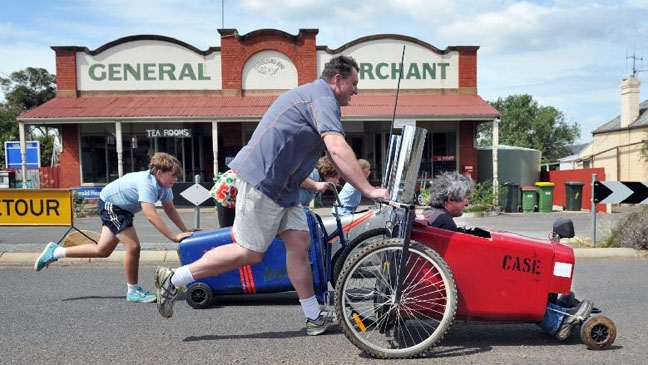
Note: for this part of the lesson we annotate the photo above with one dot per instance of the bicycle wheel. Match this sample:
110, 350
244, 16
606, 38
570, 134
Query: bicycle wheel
361, 240
365, 305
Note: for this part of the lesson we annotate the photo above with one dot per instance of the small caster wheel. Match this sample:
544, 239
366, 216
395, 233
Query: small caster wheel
598, 332
199, 295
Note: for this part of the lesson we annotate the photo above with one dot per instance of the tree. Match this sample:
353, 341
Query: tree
524, 123
24, 90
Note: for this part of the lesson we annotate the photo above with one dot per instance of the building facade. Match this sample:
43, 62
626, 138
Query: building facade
132, 97
617, 144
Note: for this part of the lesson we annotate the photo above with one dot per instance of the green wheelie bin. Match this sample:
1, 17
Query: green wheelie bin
528, 199
545, 196
573, 195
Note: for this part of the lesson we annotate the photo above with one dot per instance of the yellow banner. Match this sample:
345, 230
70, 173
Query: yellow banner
30, 207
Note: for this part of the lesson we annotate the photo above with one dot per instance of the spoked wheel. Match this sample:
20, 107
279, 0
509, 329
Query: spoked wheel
361, 240
598, 332
365, 303
199, 295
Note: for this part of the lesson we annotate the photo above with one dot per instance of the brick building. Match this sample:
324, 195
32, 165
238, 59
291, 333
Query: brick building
119, 104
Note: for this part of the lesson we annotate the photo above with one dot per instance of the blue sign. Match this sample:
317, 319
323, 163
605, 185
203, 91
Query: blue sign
88, 193
13, 159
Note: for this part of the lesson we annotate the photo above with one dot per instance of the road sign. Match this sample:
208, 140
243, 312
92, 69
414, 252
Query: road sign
48, 207
620, 192
13, 159
196, 194
88, 193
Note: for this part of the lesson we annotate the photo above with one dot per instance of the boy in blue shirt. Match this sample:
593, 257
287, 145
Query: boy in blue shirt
118, 202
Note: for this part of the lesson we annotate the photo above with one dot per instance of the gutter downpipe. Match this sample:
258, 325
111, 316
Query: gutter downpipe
495, 160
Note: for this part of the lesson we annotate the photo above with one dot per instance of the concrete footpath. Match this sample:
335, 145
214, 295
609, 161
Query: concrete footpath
156, 250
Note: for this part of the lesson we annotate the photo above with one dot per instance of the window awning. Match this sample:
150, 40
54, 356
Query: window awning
249, 108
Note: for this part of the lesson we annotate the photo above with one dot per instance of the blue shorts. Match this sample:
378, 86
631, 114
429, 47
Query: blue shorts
114, 217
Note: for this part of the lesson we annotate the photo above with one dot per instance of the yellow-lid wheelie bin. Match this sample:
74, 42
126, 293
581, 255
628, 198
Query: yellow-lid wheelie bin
545, 196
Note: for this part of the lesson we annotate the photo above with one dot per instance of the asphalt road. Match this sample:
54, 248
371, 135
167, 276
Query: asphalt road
76, 314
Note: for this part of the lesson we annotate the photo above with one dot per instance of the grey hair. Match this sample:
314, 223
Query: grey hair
449, 186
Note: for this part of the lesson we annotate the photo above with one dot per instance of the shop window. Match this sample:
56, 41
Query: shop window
137, 153
444, 152
94, 161
99, 157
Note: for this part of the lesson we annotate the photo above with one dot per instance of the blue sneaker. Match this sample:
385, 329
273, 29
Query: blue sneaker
46, 257
141, 296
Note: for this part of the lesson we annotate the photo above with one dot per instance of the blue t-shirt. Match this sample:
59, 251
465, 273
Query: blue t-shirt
287, 143
306, 195
130, 190
350, 199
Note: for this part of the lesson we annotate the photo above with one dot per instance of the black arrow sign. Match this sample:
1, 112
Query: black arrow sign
600, 191
640, 193
620, 192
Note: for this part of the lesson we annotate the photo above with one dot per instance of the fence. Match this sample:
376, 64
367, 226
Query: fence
39, 178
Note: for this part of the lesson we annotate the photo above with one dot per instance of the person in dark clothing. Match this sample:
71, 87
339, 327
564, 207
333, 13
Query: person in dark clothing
449, 195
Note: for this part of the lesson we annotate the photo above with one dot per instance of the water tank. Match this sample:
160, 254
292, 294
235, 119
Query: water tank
517, 165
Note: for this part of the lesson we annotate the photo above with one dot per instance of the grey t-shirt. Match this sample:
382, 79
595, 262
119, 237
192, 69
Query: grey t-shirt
439, 217
287, 143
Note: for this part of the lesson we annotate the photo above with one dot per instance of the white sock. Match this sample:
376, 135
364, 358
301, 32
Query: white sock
132, 288
182, 276
311, 307
59, 253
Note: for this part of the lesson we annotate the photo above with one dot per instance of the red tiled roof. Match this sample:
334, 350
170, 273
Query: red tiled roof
432, 107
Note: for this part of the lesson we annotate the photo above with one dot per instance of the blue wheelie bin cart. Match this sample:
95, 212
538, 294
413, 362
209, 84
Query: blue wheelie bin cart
268, 276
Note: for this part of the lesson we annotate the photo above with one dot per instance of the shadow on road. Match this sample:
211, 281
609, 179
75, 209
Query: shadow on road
93, 297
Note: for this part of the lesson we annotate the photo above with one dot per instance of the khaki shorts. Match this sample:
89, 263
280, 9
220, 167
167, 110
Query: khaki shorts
259, 219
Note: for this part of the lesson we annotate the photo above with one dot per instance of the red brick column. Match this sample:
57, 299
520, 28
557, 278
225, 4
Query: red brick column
70, 176
66, 75
467, 70
467, 151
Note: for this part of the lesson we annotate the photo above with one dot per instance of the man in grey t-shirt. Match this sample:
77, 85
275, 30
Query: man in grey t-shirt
282, 152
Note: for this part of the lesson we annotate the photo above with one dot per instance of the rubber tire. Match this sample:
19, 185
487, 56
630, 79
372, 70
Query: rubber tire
199, 295
351, 247
598, 332
444, 324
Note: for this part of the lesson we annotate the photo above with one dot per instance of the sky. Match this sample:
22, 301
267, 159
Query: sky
568, 54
